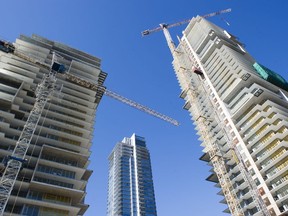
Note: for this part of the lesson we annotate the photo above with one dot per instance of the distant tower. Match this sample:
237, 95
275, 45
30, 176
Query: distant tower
240, 110
130, 186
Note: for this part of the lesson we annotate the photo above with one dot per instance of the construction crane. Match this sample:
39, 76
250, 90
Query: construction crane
10, 48
109, 93
162, 26
216, 157
16, 160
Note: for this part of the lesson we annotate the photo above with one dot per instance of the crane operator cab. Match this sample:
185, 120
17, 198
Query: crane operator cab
59, 68
6, 47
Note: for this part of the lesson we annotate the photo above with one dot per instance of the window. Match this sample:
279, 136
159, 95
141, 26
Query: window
55, 212
56, 171
53, 182
245, 77
30, 210
261, 191
257, 92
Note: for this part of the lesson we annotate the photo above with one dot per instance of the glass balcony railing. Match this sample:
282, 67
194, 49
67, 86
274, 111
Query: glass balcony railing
274, 157
269, 148
277, 169
279, 181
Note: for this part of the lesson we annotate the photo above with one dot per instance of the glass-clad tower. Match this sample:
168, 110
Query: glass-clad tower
240, 110
130, 185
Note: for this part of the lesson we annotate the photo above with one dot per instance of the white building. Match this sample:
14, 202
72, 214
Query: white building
240, 110
54, 179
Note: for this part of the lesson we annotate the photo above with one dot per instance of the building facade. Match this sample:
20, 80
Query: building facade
240, 110
130, 184
54, 178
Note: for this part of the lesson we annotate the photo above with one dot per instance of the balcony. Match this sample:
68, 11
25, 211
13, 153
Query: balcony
74, 161
278, 170
76, 195
236, 176
275, 158
266, 149
244, 194
46, 204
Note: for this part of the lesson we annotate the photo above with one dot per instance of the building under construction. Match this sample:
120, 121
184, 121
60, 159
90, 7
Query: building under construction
49, 93
240, 109
53, 174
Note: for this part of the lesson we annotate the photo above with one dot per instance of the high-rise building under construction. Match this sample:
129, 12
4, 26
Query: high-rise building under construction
130, 186
240, 109
54, 175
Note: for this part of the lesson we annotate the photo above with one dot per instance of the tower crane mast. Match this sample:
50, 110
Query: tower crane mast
213, 150
16, 160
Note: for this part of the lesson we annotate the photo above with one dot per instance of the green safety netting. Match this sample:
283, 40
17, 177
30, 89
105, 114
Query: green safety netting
271, 76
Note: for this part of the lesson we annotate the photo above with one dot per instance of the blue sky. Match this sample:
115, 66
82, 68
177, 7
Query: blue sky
140, 69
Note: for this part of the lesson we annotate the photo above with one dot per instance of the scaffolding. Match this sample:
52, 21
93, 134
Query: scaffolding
192, 91
231, 142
